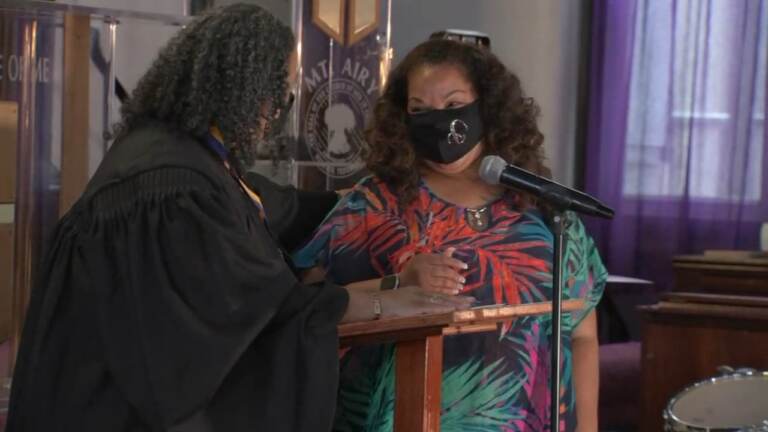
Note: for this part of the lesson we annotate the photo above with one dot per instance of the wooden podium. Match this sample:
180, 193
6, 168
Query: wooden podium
419, 353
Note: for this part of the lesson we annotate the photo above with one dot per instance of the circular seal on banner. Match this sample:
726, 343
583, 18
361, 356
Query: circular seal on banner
333, 126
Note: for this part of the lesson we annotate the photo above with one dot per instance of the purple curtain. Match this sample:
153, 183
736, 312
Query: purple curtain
677, 141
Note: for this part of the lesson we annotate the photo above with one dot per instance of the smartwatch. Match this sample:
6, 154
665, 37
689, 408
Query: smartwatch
390, 282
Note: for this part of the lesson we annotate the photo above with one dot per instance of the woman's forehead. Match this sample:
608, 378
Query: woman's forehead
440, 80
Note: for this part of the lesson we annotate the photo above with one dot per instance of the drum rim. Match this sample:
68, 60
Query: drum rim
736, 376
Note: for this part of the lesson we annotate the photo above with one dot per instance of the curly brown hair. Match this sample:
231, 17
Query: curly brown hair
509, 117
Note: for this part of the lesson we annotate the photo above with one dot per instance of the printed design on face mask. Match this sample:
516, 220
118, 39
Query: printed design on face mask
446, 135
458, 132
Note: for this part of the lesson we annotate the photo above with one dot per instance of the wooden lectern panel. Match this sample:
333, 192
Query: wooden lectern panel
418, 386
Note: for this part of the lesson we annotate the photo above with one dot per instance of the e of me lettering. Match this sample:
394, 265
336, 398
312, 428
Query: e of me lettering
17, 68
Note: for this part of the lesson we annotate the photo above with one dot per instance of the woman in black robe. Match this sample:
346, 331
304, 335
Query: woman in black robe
166, 300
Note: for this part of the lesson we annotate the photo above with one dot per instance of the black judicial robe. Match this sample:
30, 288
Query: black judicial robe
165, 303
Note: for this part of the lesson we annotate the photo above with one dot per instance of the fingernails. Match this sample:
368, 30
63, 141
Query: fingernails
465, 266
462, 280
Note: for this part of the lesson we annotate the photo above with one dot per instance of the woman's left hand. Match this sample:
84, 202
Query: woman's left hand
435, 272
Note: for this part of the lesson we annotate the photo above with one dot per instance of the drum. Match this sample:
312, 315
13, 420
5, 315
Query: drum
737, 401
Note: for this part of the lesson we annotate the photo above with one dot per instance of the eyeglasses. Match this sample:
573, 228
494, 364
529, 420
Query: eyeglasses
276, 124
289, 102
283, 111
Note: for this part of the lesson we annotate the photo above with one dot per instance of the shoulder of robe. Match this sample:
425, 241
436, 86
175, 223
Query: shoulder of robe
155, 147
153, 162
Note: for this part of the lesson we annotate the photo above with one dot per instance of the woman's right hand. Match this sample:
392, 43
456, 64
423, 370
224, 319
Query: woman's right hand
435, 272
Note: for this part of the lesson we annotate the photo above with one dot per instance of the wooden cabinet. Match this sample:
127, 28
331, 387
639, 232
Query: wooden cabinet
687, 336
724, 272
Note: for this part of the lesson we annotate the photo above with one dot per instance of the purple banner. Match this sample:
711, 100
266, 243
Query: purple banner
344, 48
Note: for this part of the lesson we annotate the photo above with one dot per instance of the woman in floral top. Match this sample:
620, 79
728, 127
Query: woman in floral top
425, 218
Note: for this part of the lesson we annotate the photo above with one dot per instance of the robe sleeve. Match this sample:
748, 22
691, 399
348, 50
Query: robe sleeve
293, 214
185, 289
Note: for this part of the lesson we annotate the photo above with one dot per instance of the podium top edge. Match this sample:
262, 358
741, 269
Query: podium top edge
478, 315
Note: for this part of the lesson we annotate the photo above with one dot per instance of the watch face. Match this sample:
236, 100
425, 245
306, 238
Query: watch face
388, 282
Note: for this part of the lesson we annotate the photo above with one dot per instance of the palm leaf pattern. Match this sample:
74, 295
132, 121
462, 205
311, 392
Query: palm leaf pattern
367, 404
476, 397
490, 382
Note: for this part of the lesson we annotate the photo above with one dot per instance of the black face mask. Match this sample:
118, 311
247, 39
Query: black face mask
445, 136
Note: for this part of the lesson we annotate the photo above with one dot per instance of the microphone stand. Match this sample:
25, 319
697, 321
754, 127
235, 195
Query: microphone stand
558, 230
560, 198
559, 203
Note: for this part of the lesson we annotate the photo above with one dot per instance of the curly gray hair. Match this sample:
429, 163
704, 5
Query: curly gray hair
228, 68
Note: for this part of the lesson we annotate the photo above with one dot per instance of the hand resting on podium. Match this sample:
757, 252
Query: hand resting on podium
430, 284
403, 302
